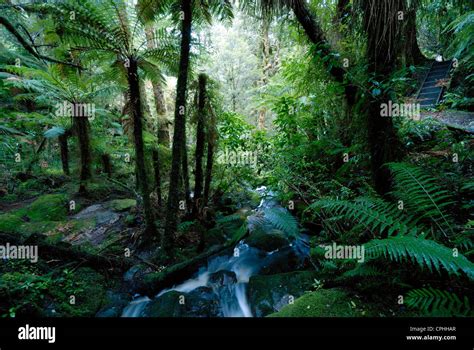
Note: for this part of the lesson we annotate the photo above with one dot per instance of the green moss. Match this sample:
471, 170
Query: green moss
268, 293
10, 197
30, 185
82, 224
166, 306
268, 241
38, 227
88, 288
322, 303
121, 204
10, 223
214, 236
50, 207
130, 220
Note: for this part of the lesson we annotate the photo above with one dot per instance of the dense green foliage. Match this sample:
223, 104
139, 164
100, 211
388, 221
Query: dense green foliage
133, 134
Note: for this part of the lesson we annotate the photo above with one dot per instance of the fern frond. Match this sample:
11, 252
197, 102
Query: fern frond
364, 270
422, 195
424, 252
282, 220
377, 217
436, 302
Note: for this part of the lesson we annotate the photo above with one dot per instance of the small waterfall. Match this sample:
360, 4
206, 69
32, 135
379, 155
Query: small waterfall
228, 276
136, 307
232, 293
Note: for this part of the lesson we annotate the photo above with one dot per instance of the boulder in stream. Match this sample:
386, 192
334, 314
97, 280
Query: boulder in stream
270, 293
267, 241
201, 302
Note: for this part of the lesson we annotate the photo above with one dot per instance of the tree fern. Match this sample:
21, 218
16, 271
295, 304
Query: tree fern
422, 195
436, 302
282, 220
424, 252
378, 217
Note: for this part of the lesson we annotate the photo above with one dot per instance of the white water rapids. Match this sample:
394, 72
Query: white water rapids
232, 293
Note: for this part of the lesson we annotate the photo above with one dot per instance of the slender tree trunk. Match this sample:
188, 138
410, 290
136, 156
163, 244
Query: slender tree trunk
38, 150
106, 164
211, 144
185, 169
383, 28
82, 132
208, 178
200, 144
266, 66
159, 95
140, 166
179, 128
156, 167
63, 144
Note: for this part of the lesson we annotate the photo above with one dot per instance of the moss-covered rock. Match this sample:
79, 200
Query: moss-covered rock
115, 302
214, 236
323, 303
267, 241
42, 227
201, 302
10, 223
166, 305
270, 293
121, 204
50, 207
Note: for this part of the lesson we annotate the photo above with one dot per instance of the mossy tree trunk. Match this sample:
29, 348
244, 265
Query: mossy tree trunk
211, 144
159, 95
411, 51
156, 167
162, 127
185, 175
140, 166
316, 35
63, 145
106, 164
383, 27
179, 128
266, 66
200, 145
82, 127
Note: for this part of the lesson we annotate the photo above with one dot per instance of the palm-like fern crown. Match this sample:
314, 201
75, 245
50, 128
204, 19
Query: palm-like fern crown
113, 31
52, 84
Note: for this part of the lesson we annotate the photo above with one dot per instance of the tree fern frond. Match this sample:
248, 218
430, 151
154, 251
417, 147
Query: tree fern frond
424, 252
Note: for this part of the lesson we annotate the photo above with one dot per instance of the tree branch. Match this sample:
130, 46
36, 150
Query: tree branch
30, 48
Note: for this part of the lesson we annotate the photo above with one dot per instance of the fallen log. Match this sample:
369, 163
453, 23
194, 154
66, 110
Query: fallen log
156, 281
65, 252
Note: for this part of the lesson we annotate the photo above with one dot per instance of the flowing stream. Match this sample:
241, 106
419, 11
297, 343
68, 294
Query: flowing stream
228, 275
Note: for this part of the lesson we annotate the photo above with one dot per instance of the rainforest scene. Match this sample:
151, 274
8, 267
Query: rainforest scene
234, 159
